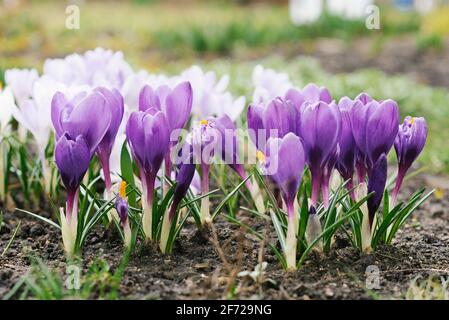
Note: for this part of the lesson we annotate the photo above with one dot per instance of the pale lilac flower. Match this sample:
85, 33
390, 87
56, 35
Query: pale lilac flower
210, 97
21, 81
94, 68
269, 84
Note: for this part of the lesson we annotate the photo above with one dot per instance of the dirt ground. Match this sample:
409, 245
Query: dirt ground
195, 269
393, 56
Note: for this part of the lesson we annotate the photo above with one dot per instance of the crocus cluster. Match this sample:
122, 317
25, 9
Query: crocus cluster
351, 136
92, 103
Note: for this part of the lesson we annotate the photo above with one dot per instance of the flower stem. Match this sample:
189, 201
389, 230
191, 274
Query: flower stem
69, 223
366, 225
166, 226
72, 203
205, 202
316, 180
397, 187
127, 234
147, 204
291, 241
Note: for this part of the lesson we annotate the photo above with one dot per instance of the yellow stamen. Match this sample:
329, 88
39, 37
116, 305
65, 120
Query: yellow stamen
412, 121
204, 122
1, 86
260, 156
122, 191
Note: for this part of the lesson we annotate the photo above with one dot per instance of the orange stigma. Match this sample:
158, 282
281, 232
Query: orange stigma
122, 191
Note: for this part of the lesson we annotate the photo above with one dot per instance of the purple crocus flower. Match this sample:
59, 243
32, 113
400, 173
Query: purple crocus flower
229, 145
285, 160
80, 125
203, 141
408, 145
311, 93
115, 104
348, 150
122, 207
278, 117
255, 123
320, 132
285, 164
72, 159
230, 154
175, 103
376, 183
148, 136
184, 178
374, 126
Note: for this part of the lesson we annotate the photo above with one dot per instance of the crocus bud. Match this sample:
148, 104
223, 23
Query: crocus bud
72, 159
176, 104
320, 132
376, 183
203, 140
115, 104
408, 145
374, 126
281, 115
86, 115
121, 205
183, 180
311, 93
148, 136
230, 154
348, 150
255, 123
285, 165
229, 144
276, 118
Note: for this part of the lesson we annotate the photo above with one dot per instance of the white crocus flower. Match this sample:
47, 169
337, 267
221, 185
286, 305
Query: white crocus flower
21, 82
269, 84
210, 97
305, 11
349, 9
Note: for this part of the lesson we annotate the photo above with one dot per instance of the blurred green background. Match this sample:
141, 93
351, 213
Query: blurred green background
233, 36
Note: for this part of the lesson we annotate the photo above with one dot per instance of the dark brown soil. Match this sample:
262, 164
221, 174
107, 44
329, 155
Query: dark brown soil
195, 269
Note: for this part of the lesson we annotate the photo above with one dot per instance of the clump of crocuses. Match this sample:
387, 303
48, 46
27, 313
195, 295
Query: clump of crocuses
294, 131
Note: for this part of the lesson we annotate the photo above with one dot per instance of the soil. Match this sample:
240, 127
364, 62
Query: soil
195, 270
398, 55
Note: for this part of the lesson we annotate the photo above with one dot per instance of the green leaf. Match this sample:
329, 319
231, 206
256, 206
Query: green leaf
126, 166
280, 230
40, 218
229, 196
